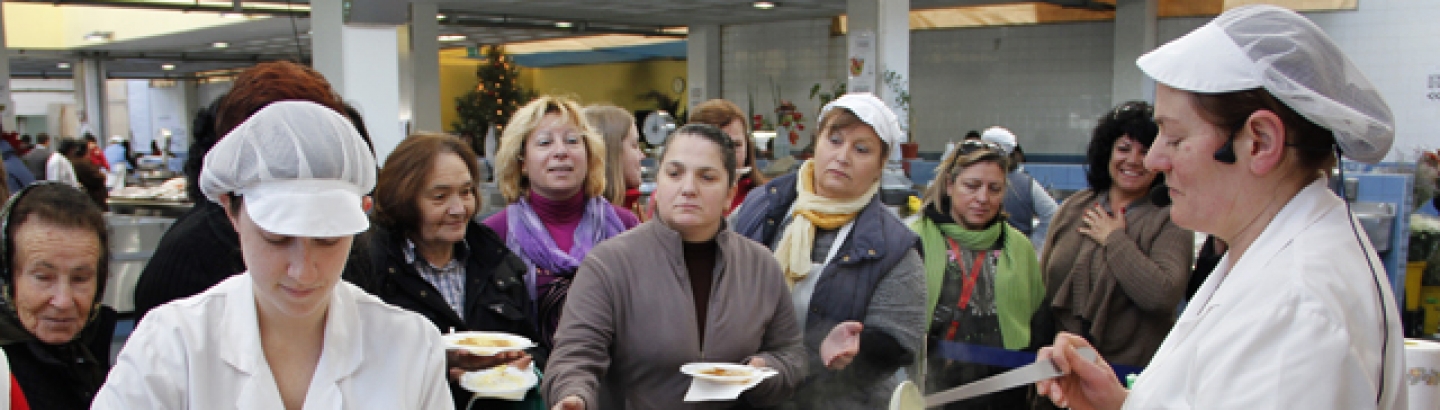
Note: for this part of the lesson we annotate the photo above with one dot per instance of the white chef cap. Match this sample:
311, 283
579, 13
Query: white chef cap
1001, 137
301, 167
872, 112
1282, 51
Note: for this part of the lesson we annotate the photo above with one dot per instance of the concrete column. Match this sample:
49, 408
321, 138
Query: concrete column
1135, 34
192, 99
363, 64
89, 77
702, 64
424, 68
406, 79
888, 21
7, 117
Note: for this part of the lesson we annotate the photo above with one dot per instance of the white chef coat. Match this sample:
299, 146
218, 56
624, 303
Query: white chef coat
1294, 324
203, 352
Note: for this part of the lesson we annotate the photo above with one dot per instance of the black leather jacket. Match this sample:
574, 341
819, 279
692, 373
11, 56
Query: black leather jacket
495, 295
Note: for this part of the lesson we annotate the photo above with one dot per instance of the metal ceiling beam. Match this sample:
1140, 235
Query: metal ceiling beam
187, 57
49, 75
142, 4
456, 19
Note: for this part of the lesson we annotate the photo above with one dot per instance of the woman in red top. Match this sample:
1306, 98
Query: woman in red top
727, 116
94, 154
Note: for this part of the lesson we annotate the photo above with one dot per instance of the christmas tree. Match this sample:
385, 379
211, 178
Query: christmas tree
494, 99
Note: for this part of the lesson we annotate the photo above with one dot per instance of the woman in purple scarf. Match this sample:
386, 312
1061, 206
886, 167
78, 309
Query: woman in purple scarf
550, 166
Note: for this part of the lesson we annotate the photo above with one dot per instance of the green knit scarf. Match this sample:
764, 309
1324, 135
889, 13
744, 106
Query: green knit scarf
1019, 289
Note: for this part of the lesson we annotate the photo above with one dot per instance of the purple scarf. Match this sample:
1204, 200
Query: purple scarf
528, 237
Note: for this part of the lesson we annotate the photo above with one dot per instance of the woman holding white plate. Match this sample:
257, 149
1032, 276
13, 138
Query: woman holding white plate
679, 289
432, 258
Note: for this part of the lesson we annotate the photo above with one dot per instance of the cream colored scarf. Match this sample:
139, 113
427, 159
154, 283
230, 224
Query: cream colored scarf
814, 211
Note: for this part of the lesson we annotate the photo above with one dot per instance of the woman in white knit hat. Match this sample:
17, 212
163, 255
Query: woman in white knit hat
1253, 109
287, 333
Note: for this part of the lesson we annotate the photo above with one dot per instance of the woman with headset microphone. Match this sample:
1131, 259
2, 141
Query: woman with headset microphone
1252, 108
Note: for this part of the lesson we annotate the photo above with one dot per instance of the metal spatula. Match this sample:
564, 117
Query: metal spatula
1018, 376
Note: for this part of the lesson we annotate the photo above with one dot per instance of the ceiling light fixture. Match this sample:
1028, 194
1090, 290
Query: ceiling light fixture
63, 66
764, 5
452, 37
564, 24
439, 16
220, 44
97, 36
167, 67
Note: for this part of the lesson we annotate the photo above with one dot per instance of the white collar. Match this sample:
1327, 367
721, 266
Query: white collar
240, 347
1303, 210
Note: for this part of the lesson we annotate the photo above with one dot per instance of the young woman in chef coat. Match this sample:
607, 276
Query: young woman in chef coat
1298, 314
287, 333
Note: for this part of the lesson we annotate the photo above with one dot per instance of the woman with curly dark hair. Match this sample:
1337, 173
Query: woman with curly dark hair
1115, 265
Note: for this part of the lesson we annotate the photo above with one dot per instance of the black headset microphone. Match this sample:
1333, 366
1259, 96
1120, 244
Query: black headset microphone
1226, 154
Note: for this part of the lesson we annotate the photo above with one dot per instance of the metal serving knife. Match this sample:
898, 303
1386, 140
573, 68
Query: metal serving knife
1018, 376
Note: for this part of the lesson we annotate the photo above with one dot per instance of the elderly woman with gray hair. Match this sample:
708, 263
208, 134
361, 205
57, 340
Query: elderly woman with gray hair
55, 333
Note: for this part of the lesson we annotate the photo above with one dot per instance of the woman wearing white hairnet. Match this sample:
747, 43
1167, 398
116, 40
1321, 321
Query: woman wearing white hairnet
287, 333
1298, 315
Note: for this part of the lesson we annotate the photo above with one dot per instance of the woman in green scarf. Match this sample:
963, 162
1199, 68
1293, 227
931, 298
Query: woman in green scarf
982, 278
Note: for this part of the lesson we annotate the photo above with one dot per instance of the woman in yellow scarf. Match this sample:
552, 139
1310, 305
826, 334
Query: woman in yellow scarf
857, 280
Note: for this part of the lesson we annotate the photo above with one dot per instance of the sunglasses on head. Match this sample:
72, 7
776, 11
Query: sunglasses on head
969, 146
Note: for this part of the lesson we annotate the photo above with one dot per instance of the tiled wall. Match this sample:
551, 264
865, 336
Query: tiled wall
1048, 83
794, 55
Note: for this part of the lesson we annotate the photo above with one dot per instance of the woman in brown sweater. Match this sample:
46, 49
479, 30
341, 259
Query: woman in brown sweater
681, 288
1115, 266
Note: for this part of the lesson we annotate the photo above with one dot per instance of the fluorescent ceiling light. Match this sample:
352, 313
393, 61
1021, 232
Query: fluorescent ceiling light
452, 37
167, 67
63, 66
97, 36
564, 24
764, 5
584, 43
439, 16
220, 44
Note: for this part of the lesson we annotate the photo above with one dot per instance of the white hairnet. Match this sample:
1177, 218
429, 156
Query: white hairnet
1287, 54
302, 169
